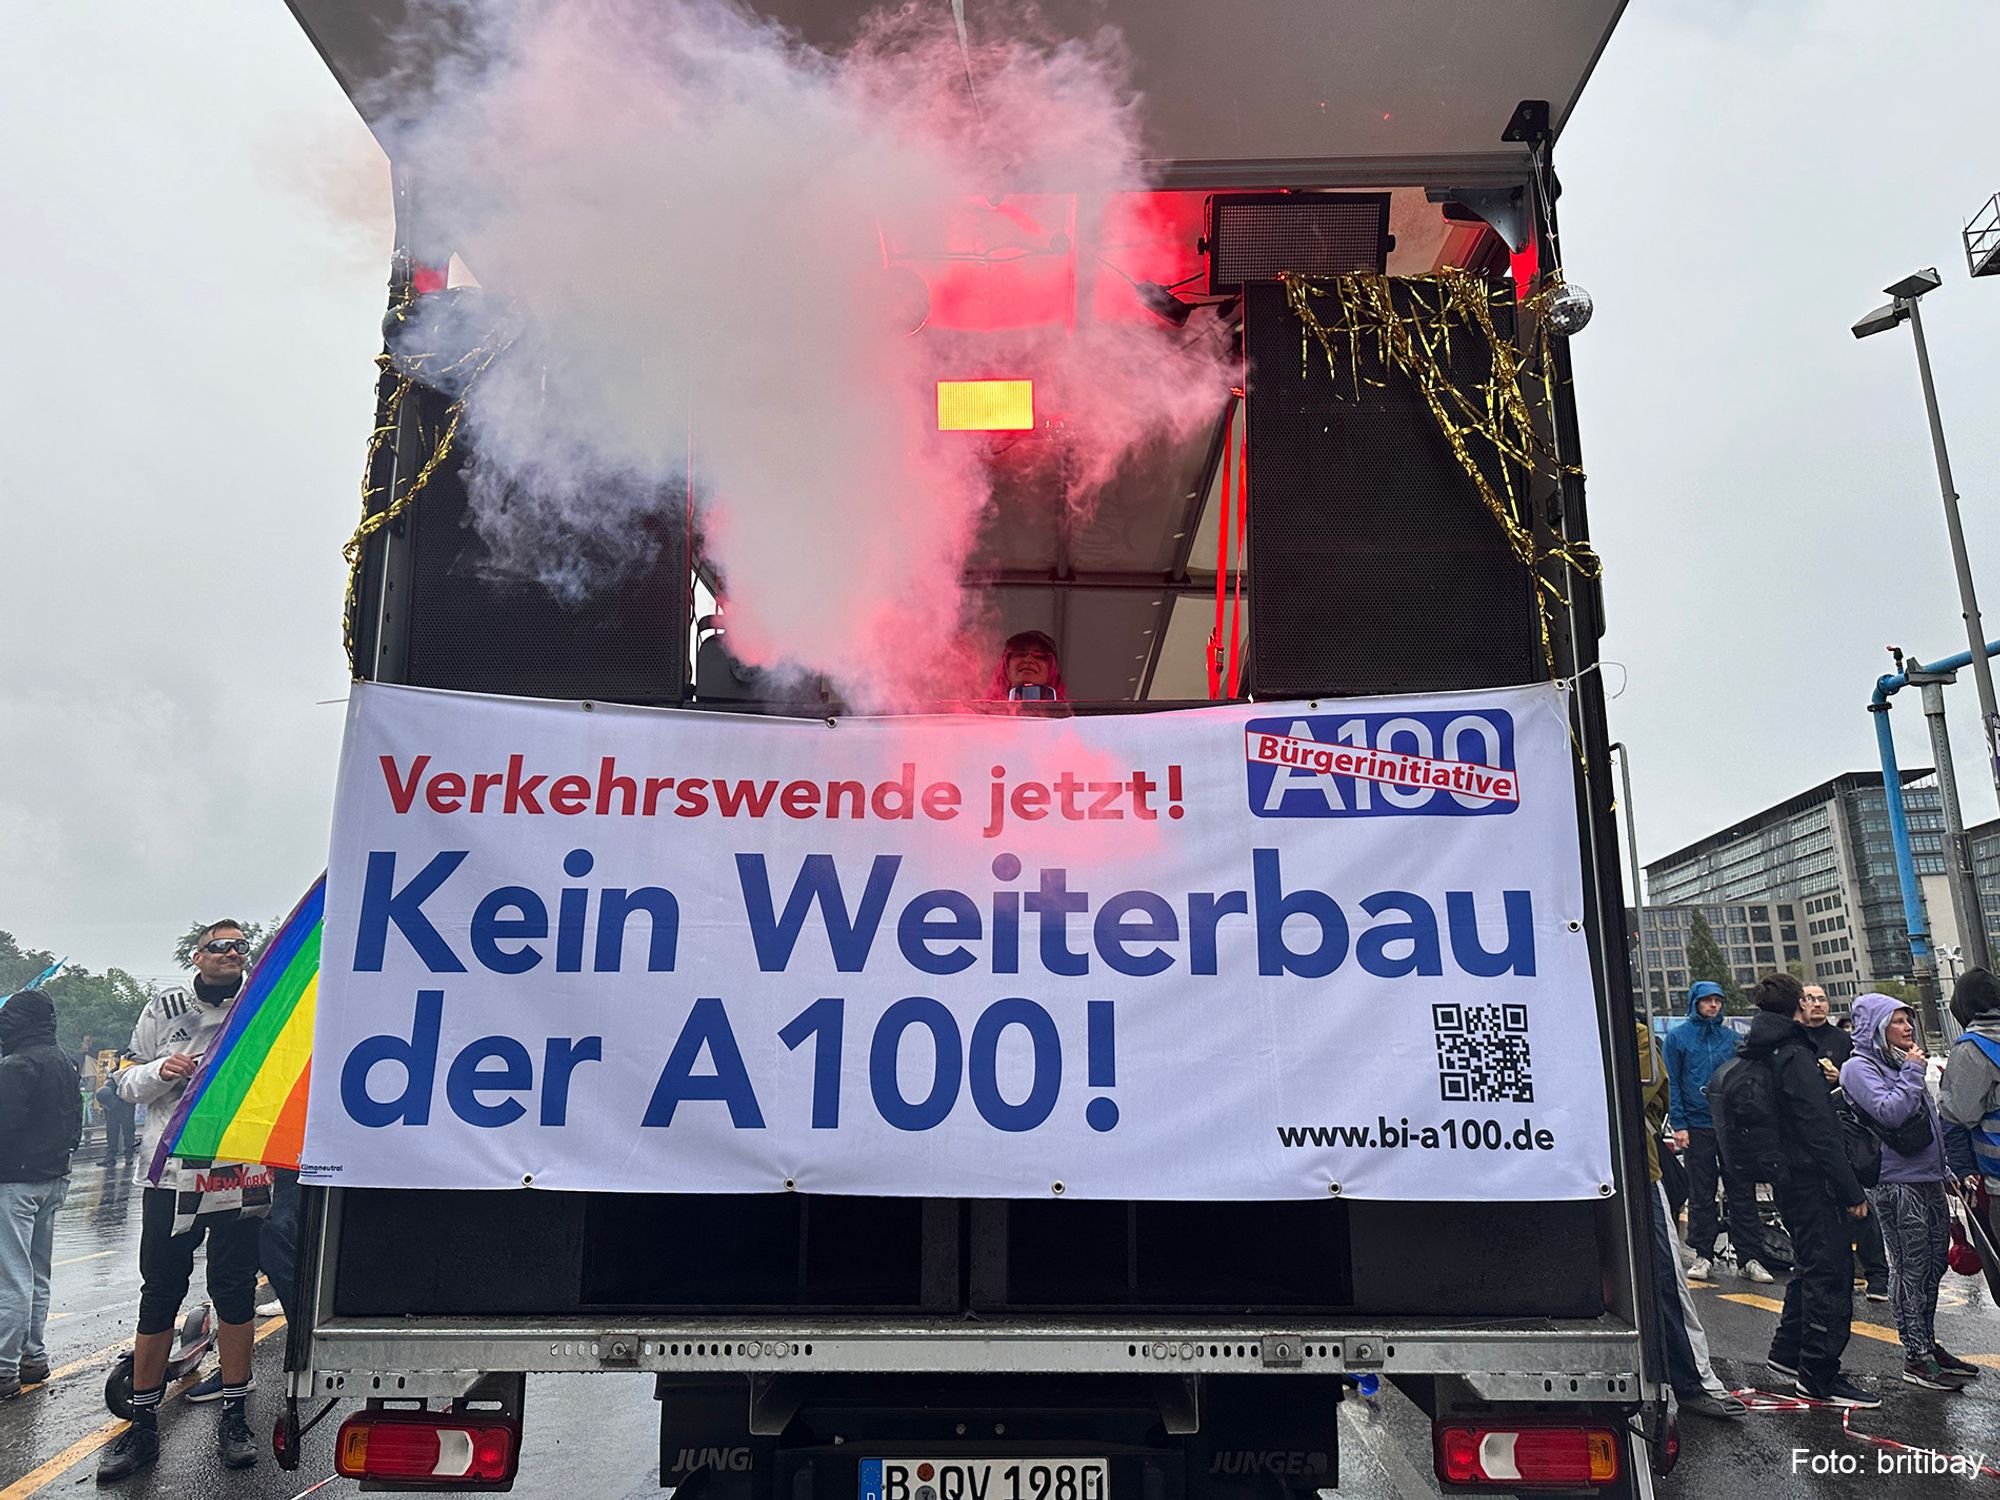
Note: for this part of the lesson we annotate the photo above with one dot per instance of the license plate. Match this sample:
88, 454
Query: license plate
985, 1478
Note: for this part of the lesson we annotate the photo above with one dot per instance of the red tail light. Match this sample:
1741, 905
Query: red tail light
449, 1450
1526, 1455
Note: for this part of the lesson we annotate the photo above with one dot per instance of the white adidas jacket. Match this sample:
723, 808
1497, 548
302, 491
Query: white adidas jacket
174, 1020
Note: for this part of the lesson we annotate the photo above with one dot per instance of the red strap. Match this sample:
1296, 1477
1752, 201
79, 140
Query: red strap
1215, 644
1242, 536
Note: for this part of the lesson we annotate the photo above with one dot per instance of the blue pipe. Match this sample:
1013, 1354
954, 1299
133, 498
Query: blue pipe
1892, 792
1899, 824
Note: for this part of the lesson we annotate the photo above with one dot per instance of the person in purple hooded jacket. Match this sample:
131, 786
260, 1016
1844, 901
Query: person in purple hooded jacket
1884, 1082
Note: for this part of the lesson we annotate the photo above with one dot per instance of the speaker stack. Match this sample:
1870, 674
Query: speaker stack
1373, 565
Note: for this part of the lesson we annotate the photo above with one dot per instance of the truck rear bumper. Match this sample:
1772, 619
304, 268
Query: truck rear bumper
1543, 1361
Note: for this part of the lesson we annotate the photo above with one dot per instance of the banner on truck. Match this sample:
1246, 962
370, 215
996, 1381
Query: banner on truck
1267, 951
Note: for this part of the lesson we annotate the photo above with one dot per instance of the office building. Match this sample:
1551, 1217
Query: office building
1984, 839
1824, 854
1755, 937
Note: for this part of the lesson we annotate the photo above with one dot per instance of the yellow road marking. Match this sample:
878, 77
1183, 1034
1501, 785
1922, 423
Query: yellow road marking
77, 1260
1771, 1304
36, 1478
1866, 1330
75, 1453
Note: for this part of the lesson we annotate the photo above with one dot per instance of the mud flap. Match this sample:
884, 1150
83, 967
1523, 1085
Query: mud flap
1257, 1433
705, 1440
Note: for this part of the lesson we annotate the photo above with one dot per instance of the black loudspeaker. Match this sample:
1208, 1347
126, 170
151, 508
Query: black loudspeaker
1374, 566
480, 622
1266, 236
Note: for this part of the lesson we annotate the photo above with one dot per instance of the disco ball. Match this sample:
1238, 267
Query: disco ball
1569, 309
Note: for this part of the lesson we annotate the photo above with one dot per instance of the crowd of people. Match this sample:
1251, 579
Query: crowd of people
1866, 1148
246, 1215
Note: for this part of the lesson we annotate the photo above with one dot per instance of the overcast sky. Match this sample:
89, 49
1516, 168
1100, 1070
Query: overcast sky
197, 243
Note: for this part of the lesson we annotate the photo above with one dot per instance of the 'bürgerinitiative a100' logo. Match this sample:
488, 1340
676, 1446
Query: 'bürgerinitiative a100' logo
1452, 763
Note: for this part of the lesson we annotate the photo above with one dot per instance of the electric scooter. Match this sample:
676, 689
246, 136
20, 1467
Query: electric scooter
195, 1338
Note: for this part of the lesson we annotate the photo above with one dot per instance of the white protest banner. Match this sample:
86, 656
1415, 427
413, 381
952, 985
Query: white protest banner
1265, 951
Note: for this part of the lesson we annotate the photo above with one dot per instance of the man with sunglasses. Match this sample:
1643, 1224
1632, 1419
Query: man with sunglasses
171, 1036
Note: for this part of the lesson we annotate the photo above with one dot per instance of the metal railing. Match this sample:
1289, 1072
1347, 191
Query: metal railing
1982, 240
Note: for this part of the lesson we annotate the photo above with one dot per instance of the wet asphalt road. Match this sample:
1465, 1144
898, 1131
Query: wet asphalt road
596, 1436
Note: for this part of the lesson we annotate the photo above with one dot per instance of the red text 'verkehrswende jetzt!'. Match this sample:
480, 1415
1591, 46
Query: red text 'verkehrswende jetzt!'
606, 792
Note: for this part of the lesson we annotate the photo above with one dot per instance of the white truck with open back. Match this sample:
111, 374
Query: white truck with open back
937, 1347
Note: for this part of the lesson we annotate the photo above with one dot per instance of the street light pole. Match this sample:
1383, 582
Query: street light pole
1906, 295
1982, 669
1638, 883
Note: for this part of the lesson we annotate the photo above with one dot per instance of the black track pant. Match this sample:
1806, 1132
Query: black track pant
166, 1263
1819, 1300
1705, 1169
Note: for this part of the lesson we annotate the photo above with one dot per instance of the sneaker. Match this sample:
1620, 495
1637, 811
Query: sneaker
136, 1448
1932, 1376
1839, 1391
1950, 1361
1752, 1271
35, 1371
1786, 1368
1702, 1403
1700, 1268
1878, 1291
208, 1388
272, 1309
232, 1438
10, 1387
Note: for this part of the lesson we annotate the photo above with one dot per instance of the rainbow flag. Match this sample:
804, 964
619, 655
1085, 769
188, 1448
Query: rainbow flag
248, 1102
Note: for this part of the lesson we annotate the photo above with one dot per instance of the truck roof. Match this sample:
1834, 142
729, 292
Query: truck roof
1233, 88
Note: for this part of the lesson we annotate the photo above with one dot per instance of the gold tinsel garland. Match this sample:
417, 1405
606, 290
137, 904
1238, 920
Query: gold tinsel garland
1361, 329
469, 366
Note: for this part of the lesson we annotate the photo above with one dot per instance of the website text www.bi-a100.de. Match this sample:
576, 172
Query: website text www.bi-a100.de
1467, 1133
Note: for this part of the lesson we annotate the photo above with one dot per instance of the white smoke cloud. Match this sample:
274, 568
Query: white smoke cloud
690, 212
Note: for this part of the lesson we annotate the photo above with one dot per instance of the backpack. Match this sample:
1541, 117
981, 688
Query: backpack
1862, 1145
1907, 1139
1743, 1098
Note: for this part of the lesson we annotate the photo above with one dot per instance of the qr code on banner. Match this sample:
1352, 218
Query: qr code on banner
1483, 1054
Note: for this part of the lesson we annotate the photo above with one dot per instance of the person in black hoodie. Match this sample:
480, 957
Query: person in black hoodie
1819, 1188
41, 1120
1834, 1047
